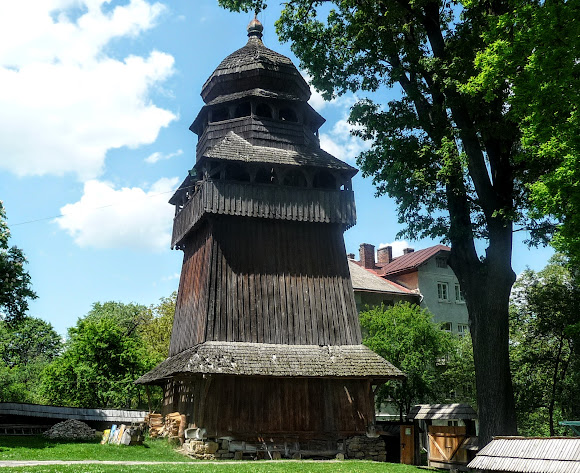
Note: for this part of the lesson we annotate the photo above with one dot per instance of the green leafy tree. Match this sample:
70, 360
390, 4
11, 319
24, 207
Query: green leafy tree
28, 340
156, 331
545, 334
130, 317
405, 335
103, 356
26, 347
459, 374
15, 287
532, 49
452, 151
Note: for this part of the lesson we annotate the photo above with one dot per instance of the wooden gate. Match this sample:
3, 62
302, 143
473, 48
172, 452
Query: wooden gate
444, 445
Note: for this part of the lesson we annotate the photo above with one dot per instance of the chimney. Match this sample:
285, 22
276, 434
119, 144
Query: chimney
367, 255
385, 254
406, 251
350, 256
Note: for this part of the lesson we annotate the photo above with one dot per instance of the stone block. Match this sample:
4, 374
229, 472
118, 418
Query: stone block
276, 456
340, 456
211, 447
238, 455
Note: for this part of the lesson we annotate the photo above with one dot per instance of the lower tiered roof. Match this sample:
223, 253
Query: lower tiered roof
262, 359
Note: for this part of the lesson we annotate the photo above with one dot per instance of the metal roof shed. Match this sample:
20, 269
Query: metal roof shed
442, 411
529, 455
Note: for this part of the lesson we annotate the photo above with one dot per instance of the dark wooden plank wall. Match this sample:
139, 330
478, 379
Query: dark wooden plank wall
267, 201
247, 408
264, 281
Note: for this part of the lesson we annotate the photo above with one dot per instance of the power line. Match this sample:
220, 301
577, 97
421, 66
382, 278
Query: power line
94, 208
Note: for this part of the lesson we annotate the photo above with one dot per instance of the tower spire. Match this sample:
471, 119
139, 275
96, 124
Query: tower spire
255, 28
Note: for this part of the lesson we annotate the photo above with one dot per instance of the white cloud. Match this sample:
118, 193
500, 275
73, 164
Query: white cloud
398, 247
106, 217
64, 102
340, 143
318, 102
171, 277
158, 156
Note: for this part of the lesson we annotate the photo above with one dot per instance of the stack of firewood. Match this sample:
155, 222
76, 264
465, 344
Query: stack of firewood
155, 423
172, 424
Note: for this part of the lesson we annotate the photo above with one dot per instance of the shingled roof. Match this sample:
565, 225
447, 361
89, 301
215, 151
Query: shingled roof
261, 359
365, 280
234, 148
267, 94
250, 59
412, 260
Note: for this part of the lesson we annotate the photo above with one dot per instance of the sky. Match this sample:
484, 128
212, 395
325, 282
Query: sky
96, 98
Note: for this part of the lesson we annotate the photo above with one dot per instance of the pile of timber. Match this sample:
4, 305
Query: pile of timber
173, 426
155, 424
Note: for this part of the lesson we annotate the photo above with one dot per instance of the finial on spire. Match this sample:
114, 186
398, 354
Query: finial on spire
255, 28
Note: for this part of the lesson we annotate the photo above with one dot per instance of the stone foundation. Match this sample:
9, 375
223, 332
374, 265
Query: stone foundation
365, 448
359, 447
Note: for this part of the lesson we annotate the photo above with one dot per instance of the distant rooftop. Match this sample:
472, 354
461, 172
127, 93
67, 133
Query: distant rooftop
412, 260
367, 280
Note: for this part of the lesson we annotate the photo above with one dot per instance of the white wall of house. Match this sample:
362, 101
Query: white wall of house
441, 294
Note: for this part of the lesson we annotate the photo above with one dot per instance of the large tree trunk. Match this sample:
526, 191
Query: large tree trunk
487, 285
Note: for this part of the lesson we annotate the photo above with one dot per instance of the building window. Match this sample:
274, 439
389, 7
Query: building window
441, 262
243, 110
446, 326
295, 178
443, 291
266, 176
263, 110
462, 329
287, 114
458, 294
235, 172
219, 114
324, 180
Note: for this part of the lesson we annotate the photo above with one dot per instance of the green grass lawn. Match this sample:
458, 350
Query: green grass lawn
282, 466
39, 448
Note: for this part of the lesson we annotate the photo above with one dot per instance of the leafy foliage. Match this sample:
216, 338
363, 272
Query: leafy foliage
15, 287
156, 331
532, 50
26, 347
28, 340
102, 358
545, 335
405, 335
459, 374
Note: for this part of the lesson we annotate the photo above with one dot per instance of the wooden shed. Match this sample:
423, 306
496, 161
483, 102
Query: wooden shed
447, 432
529, 455
266, 343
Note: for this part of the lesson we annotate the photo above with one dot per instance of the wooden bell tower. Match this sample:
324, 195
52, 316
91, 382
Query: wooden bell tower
266, 340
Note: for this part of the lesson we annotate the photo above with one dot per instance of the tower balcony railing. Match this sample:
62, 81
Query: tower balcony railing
264, 201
